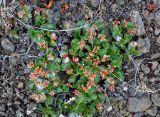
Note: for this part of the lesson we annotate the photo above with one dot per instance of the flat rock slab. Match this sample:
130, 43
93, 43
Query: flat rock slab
7, 45
138, 105
137, 19
156, 100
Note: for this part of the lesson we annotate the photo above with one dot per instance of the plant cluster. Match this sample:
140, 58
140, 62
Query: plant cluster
75, 80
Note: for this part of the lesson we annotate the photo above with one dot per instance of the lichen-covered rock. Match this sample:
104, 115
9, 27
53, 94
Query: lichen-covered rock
152, 111
136, 1
158, 39
156, 99
157, 17
137, 19
144, 44
7, 45
138, 105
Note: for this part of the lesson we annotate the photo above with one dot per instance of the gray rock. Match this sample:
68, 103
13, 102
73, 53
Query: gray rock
23, 50
3, 114
157, 30
30, 108
152, 111
108, 107
154, 65
20, 85
157, 71
158, 39
156, 99
156, 2
73, 3
25, 101
2, 107
136, 1
19, 113
26, 70
7, 45
17, 102
138, 105
33, 115
114, 7
150, 17
56, 16
157, 17
145, 13
156, 55
137, 19
144, 44
152, 80
95, 3
145, 68
138, 114
14, 59
120, 2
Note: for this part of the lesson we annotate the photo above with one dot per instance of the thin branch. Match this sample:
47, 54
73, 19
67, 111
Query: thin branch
29, 48
137, 89
22, 54
45, 29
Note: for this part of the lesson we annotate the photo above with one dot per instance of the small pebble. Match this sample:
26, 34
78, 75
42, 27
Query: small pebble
20, 85
7, 45
154, 65
157, 31
158, 39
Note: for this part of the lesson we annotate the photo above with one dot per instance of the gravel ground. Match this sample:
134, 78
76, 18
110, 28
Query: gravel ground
137, 96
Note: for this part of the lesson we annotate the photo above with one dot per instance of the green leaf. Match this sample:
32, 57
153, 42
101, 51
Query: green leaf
77, 32
116, 60
40, 61
100, 24
53, 67
59, 90
116, 33
126, 39
49, 100
102, 52
14, 34
97, 79
39, 20
33, 34
80, 23
31, 84
105, 44
58, 60
101, 97
64, 66
113, 50
71, 80
49, 26
39, 107
97, 42
81, 54
130, 25
46, 115
74, 44
120, 75
93, 97
88, 47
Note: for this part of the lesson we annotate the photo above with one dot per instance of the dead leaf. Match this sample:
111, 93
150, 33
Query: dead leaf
21, 2
64, 7
49, 4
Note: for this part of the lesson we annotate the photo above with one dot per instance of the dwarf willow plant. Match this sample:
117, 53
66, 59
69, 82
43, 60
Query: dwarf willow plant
74, 80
